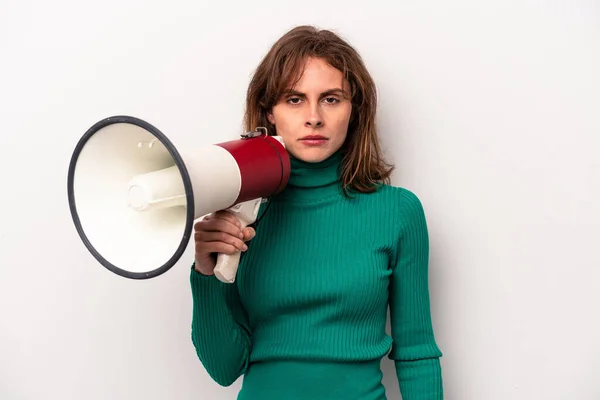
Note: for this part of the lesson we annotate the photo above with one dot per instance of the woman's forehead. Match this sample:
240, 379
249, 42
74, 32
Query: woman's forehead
314, 75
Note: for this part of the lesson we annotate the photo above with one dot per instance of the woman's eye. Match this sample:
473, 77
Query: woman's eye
297, 100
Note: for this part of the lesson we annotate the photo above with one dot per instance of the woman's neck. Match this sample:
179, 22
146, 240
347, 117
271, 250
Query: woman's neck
313, 181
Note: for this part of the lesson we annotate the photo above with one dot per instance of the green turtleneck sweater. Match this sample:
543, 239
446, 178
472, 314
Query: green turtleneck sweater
306, 317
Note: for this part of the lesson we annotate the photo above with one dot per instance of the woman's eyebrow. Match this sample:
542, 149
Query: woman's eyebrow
327, 92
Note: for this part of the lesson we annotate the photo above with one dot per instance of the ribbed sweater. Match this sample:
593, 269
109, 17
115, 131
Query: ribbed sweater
306, 317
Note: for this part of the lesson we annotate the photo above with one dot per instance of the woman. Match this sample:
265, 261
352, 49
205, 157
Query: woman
306, 316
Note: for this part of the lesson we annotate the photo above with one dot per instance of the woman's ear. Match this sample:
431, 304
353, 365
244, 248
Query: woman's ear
270, 118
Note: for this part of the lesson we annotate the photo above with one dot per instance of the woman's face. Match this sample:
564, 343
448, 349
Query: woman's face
312, 118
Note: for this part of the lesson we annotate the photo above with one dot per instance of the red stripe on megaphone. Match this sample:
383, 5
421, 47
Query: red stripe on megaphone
264, 166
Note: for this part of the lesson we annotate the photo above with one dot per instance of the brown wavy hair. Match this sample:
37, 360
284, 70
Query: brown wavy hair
363, 166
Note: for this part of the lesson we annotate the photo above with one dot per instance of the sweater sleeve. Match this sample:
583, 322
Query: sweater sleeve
414, 349
220, 332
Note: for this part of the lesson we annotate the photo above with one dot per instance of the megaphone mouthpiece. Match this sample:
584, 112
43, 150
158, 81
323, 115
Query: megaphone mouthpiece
157, 189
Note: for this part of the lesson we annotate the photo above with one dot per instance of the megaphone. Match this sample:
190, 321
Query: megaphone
134, 197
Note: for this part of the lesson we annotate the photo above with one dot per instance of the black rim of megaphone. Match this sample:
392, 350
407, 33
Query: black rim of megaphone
186, 183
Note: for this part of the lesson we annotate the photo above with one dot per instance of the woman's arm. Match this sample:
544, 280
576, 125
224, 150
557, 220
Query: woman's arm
220, 332
414, 350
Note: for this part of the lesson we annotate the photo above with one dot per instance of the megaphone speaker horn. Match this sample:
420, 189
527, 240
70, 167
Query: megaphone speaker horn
134, 197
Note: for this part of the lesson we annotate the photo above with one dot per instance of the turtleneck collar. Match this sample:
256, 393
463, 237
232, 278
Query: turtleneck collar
313, 181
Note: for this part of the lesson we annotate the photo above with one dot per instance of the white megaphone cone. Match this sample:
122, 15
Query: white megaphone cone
134, 197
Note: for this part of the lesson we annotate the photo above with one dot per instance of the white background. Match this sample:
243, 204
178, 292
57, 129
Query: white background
490, 110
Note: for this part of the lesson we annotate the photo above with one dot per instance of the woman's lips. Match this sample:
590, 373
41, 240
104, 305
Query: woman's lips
314, 140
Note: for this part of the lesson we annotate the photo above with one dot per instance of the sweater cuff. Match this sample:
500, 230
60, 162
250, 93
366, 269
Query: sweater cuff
420, 379
204, 286
200, 274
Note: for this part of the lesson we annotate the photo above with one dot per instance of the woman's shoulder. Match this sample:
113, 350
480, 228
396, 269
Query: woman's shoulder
397, 194
394, 207
405, 208
400, 201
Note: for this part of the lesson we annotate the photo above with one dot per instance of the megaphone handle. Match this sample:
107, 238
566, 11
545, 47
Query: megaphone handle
227, 264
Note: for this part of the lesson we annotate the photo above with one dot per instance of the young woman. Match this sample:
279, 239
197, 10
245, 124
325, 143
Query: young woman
306, 317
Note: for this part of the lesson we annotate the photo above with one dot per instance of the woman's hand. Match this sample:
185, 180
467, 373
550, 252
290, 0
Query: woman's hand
219, 232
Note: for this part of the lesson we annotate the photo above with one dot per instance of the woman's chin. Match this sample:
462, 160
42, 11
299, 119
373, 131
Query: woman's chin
311, 155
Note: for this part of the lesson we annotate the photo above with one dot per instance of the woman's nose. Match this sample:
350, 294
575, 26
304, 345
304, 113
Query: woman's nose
314, 119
